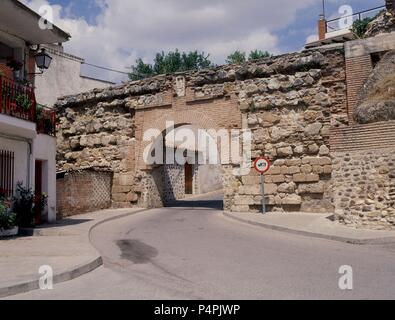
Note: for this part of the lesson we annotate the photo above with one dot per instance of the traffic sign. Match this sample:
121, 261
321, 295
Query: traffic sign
262, 165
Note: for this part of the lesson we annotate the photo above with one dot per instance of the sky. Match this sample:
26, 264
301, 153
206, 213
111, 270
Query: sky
114, 33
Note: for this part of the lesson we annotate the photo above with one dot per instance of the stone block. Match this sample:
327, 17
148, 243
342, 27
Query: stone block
250, 190
303, 177
285, 152
313, 188
292, 199
287, 187
126, 179
278, 178
251, 180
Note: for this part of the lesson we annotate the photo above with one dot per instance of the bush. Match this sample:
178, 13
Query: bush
7, 218
24, 206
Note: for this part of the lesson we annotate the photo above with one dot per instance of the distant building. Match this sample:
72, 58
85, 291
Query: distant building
336, 31
63, 78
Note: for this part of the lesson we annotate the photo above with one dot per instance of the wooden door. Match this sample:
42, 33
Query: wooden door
188, 179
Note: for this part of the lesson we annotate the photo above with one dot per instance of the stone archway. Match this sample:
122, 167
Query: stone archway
155, 188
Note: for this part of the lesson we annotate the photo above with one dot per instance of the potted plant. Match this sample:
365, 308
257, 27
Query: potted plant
23, 206
8, 226
14, 64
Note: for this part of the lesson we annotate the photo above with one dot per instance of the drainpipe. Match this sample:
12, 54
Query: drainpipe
29, 152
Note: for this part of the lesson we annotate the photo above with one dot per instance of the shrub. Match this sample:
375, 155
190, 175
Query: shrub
24, 206
7, 218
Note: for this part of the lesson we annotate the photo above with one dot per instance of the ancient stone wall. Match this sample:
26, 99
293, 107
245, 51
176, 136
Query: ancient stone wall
364, 175
290, 103
291, 115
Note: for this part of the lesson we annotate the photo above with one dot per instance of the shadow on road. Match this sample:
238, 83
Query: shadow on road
210, 204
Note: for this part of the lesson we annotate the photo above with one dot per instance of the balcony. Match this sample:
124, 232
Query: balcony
18, 100
335, 26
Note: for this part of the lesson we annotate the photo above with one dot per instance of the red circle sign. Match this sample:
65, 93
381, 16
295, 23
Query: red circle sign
262, 165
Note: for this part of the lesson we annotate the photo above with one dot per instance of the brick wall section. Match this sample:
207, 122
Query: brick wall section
363, 137
358, 70
83, 191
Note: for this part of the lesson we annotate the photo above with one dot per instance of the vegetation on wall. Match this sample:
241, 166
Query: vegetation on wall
360, 27
239, 57
171, 62
176, 61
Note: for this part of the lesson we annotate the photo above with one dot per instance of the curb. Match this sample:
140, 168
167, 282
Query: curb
376, 241
69, 274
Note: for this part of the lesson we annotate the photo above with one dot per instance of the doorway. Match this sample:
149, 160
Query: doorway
188, 179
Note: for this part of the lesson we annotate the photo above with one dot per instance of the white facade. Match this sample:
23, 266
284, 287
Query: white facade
21, 138
63, 78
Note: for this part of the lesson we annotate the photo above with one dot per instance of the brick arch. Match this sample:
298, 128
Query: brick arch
192, 117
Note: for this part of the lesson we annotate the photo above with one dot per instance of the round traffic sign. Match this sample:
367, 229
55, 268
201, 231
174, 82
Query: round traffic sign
262, 165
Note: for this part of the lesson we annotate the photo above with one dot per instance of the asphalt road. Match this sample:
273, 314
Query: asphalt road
196, 253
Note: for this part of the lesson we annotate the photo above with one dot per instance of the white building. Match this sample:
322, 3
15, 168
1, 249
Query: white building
27, 133
63, 78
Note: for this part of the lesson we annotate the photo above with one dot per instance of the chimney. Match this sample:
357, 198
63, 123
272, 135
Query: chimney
390, 4
322, 28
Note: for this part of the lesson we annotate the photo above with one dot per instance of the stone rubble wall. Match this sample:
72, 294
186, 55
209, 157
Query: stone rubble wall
364, 184
290, 102
291, 116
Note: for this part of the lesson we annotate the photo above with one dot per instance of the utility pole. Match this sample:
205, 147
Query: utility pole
323, 9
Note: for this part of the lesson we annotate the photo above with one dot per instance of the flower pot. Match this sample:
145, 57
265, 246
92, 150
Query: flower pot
9, 233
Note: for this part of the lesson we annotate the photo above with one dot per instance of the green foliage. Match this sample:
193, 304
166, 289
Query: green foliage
171, 62
39, 112
24, 206
359, 27
23, 101
237, 57
7, 218
258, 54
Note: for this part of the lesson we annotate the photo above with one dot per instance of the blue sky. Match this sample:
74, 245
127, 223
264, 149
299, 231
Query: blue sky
114, 33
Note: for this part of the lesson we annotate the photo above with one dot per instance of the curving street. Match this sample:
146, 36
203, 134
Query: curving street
191, 251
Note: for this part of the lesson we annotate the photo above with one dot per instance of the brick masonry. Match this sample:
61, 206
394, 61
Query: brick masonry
83, 191
358, 70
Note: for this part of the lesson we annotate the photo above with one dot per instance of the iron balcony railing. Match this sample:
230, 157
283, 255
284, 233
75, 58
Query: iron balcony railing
18, 100
335, 25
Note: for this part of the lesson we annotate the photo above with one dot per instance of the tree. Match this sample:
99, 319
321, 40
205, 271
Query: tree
258, 54
236, 57
171, 62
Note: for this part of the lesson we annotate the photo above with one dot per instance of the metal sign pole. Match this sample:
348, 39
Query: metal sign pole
263, 193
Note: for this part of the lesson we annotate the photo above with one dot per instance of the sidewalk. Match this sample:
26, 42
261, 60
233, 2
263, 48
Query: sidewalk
314, 225
64, 246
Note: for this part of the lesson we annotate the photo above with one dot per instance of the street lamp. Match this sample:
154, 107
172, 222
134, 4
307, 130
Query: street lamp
43, 60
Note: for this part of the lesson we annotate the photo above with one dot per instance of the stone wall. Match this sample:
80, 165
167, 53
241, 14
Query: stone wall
290, 116
83, 191
364, 175
290, 102
364, 184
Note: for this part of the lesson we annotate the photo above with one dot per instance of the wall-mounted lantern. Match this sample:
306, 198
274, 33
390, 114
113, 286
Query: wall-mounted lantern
43, 60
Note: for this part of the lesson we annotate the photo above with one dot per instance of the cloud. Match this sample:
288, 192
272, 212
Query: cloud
126, 30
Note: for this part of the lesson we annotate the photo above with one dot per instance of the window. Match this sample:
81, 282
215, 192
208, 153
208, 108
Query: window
6, 173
